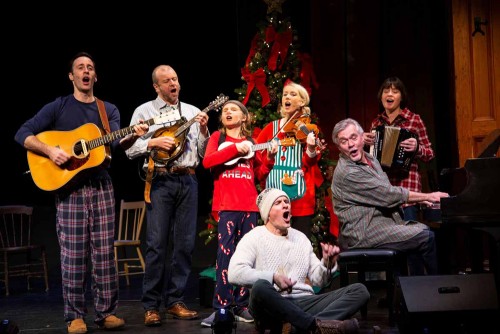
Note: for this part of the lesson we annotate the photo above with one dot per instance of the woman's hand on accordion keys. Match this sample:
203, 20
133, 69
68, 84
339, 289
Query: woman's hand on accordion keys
409, 145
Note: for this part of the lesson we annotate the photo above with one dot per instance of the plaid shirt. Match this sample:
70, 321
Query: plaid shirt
411, 121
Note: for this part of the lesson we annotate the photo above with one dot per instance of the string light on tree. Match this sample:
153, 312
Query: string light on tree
274, 58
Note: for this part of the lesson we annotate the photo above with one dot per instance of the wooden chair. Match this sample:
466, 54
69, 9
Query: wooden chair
128, 255
362, 260
20, 257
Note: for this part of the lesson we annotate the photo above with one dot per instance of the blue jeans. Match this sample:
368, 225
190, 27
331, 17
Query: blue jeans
410, 212
421, 253
415, 261
171, 216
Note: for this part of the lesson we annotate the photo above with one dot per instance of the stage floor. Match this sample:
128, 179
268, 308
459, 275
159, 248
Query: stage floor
42, 312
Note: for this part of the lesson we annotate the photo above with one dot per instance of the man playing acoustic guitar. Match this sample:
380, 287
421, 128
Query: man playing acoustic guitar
86, 205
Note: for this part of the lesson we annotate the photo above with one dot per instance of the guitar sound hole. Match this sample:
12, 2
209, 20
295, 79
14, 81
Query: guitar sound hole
79, 152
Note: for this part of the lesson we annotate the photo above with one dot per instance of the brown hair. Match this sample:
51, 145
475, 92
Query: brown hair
78, 55
399, 85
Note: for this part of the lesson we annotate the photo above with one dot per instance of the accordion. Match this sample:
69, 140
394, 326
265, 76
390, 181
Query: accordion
388, 152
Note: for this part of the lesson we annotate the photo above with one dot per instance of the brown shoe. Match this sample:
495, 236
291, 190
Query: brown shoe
77, 326
287, 328
349, 326
180, 311
111, 322
152, 318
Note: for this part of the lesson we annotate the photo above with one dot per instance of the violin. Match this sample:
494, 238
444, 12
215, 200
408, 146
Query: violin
300, 126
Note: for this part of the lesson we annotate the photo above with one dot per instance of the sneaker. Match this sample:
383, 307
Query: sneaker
77, 326
208, 321
243, 315
349, 326
152, 318
111, 322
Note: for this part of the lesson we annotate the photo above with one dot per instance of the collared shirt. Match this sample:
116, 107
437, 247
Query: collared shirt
367, 205
195, 144
411, 121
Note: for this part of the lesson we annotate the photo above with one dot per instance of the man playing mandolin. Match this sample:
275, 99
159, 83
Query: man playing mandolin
171, 193
85, 206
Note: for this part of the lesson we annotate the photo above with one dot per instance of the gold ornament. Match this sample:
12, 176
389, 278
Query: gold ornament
274, 5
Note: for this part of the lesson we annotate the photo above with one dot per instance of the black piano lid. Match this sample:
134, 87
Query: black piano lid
479, 201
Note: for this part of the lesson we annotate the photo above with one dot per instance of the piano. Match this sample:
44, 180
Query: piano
474, 205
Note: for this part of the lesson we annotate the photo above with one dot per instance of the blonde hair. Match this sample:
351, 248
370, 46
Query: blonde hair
304, 95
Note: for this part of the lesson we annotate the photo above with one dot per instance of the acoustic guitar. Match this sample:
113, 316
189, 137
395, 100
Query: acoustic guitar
290, 141
178, 132
87, 147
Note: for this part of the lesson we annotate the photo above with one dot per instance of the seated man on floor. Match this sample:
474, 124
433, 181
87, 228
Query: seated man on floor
368, 206
276, 260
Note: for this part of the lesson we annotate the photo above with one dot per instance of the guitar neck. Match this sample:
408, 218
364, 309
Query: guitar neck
214, 105
259, 147
186, 125
108, 138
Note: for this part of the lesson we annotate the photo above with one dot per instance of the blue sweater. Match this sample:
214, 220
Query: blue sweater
67, 113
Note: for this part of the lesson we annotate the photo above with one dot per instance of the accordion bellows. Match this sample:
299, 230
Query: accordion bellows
386, 148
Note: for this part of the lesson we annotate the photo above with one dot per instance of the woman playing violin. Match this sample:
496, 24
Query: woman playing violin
296, 167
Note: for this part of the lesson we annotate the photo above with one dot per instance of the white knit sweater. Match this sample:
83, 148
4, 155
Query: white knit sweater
260, 254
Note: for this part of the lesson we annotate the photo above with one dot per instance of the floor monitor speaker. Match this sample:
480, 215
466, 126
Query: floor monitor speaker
447, 304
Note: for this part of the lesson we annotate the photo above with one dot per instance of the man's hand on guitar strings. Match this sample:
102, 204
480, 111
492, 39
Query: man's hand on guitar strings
163, 142
58, 155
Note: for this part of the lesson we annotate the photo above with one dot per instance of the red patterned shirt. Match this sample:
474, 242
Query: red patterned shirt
411, 121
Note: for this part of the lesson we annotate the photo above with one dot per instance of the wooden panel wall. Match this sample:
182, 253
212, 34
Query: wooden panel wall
477, 72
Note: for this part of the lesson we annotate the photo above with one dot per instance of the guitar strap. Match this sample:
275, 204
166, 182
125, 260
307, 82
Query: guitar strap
104, 116
149, 178
151, 169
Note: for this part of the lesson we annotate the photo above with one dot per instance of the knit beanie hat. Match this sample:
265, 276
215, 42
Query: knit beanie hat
239, 104
266, 199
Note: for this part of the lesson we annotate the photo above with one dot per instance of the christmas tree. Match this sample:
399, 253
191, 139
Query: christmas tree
274, 58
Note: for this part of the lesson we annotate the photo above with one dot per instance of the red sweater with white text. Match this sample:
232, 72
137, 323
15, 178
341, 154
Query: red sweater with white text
234, 185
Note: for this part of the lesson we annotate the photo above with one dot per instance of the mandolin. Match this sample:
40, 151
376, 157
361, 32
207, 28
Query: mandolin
178, 132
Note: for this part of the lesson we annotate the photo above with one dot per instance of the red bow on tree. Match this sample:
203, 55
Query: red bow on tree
253, 49
256, 79
280, 47
307, 75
